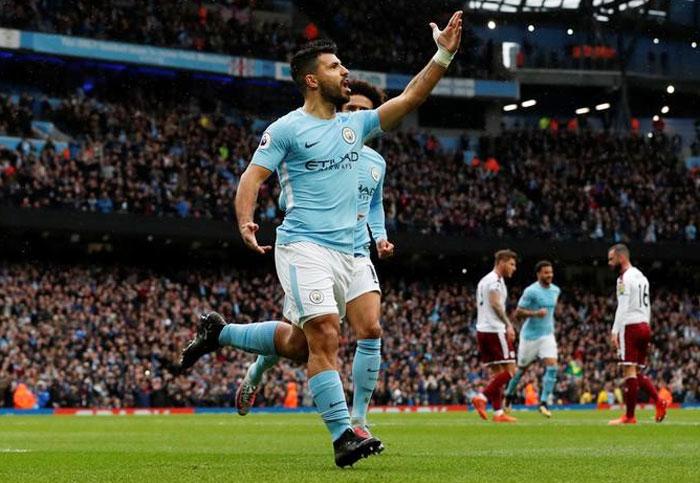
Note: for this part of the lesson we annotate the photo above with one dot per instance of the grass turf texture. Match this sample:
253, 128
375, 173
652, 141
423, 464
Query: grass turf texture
573, 445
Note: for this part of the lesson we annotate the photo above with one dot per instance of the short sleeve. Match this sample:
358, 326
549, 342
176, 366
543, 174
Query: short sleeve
526, 301
369, 122
494, 286
273, 147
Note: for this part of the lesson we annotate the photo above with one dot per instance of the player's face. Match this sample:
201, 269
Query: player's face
545, 275
509, 267
358, 102
332, 79
613, 260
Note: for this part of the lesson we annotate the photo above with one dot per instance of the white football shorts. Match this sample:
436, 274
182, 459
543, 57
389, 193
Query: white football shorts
531, 350
364, 279
315, 280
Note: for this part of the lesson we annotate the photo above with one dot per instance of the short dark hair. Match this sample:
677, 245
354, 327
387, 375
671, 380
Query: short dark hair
374, 94
505, 255
620, 249
304, 61
541, 264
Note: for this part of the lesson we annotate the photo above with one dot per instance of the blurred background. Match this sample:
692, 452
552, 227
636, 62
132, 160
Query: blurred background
564, 126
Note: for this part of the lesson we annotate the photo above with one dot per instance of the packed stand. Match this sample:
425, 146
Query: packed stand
228, 27
108, 337
389, 39
595, 185
531, 183
231, 27
169, 162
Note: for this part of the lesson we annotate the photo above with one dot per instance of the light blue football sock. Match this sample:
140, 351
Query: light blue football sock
258, 338
261, 364
365, 372
327, 391
513, 384
548, 381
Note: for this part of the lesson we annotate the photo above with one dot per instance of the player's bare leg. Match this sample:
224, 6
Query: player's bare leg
363, 315
631, 388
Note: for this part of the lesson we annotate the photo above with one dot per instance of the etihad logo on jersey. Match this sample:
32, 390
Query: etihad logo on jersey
327, 164
367, 191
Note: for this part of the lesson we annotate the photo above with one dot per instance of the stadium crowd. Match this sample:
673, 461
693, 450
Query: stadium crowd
238, 27
528, 183
101, 336
224, 27
231, 27
403, 47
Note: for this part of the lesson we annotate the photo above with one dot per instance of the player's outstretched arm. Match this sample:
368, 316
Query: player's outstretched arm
417, 91
246, 200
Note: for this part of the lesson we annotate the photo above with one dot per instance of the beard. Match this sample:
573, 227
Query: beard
334, 95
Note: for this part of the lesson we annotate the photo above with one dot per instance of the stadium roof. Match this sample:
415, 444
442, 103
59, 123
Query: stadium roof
515, 6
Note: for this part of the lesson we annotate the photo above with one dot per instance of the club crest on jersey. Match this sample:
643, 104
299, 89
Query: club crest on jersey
264, 141
375, 174
316, 297
621, 288
349, 135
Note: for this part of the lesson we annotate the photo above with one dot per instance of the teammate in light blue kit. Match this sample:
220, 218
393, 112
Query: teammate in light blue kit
537, 304
363, 299
315, 151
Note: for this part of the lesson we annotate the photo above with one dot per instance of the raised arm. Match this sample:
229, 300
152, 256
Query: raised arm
417, 91
246, 201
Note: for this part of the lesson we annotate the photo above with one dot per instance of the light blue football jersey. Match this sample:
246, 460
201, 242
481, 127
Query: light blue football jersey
370, 204
537, 297
317, 164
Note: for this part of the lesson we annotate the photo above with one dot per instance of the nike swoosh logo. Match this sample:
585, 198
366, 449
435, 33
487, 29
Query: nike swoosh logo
373, 370
311, 145
336, 403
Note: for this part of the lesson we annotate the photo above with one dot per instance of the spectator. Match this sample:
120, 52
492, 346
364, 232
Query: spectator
182, 163
107, 337
24, 398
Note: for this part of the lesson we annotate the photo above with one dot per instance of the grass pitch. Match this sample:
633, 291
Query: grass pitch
572, 446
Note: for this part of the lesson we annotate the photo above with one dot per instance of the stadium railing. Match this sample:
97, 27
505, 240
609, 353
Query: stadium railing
278, 410
69, 46
214, 233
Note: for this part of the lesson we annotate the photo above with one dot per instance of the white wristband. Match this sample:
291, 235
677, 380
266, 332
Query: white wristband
443, 57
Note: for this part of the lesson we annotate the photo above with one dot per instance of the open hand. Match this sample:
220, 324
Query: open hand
248, 231
451, 36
